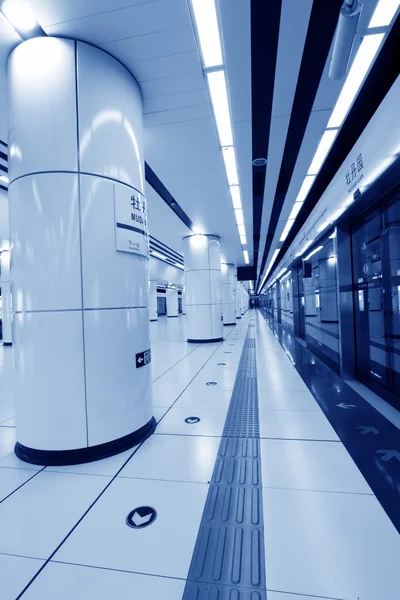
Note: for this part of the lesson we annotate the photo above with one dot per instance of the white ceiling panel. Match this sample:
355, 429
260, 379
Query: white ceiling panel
153, 45
175, 101
50, 12
177, 84
176, 116
140, 19
166, 66
295, 17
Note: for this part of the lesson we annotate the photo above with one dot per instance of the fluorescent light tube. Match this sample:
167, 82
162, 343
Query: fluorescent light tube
328, 137
158, 255
313, 252
246, 256
205, 16
4, 178
219, 99
305, 188
242, 230
333, 235
235, 195
363, 60
230, 165
239, 216
286, 230
243, 240
295, 210
384, 13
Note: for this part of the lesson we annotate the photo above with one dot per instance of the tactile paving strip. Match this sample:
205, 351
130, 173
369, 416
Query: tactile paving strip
228, 561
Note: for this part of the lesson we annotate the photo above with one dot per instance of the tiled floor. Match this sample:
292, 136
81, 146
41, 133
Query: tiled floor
326, 535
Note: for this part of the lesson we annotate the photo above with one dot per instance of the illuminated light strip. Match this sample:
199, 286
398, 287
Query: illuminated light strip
208, 32
246, 257
275, 254
313, 252
384, 13
205, 15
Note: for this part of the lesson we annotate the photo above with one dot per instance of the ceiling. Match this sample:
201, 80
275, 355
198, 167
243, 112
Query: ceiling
276, 57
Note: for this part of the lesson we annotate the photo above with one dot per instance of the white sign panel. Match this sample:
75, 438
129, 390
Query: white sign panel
131, 229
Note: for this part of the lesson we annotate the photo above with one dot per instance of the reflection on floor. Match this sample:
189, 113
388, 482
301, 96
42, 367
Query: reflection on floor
326, 534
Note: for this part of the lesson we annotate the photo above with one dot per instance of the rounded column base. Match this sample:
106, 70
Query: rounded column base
57, 458
220, 339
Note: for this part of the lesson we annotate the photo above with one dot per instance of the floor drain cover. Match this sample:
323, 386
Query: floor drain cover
211, 383
140, 517
192, 420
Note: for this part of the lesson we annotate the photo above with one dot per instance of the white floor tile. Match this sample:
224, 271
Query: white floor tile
211, 397
306, 465
277, 400
35, 519
172, 380
211, 421
104, 539
335, 545
204, 377
60, 581
6, 411
9, 423
164, 398
7, 441
11, 479
11, 461
283, 596
295, 424
15, 574
108, 466
283, 381
178, 458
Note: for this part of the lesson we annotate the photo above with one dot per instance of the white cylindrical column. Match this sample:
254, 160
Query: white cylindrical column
228, 293
79, 253
243, 299
153, 301
203, 288
172, 302
6, 298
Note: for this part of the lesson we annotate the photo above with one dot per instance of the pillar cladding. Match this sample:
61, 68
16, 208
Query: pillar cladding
79, 254
228, 293
203, 288
5, 285
153, 300
172, 302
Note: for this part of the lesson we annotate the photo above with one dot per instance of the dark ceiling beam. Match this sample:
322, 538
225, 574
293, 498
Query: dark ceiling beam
320, 32
265, 23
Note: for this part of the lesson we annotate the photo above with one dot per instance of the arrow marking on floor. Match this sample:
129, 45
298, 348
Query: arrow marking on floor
364, 429
347, 406
138, 520
388, 454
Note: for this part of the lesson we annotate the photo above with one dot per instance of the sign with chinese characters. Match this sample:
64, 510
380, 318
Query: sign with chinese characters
131, 229
143, 358
355, 174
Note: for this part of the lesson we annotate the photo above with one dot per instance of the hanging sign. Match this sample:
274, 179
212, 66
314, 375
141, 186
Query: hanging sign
131, 229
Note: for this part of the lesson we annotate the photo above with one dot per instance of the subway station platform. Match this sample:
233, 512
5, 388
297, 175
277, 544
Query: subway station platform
268, 477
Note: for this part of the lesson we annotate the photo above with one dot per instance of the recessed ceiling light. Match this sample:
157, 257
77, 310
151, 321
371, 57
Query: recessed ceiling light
19, 14
229, 157
305, 188
259, 162
295, 210
322, 151
205, 16
219, 99
239, 216
246, 257
235, 195
366, 53
384, 13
